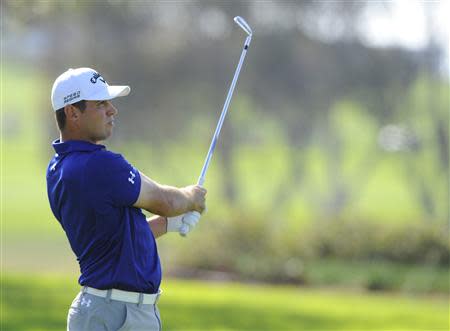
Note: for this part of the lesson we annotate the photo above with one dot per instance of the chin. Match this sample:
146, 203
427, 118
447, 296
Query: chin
103, 138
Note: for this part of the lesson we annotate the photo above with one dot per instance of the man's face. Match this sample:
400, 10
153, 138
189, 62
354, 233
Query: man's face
97, 120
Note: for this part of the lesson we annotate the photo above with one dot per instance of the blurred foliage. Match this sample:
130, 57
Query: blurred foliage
307, 116
333, 159
247, 240
355, 240
253, 248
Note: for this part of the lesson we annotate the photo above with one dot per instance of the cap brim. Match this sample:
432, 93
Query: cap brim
118, 91
113, 92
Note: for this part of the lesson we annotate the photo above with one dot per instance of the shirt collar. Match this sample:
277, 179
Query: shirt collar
70, 146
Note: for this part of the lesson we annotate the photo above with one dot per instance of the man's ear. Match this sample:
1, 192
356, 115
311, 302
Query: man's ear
72, 113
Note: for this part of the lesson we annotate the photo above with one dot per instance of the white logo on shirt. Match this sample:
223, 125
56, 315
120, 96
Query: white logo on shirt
131, 179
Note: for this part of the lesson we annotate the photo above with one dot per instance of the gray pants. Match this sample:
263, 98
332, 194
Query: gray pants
92, 313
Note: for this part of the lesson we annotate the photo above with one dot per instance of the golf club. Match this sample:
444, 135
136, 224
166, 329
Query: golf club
243, 24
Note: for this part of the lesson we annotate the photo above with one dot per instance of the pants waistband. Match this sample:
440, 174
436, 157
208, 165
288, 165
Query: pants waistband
125, 296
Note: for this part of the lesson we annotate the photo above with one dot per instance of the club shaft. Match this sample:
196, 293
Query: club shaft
212, 146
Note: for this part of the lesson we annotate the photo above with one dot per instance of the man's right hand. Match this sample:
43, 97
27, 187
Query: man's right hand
196, 195
167, 200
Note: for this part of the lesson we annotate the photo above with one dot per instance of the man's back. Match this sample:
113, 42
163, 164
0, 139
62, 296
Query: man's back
91, 192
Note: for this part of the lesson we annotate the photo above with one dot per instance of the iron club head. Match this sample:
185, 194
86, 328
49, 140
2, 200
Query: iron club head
243, 24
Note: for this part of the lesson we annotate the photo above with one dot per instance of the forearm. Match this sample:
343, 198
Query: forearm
177, 201
164, 200
158, 225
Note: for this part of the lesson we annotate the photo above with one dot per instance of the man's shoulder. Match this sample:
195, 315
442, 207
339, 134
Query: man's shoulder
107, 171
104, 155
106, 161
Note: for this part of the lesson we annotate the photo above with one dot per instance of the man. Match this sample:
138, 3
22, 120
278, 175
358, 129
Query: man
97, 197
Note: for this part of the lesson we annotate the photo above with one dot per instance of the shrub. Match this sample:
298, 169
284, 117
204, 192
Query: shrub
253, 248
406, 243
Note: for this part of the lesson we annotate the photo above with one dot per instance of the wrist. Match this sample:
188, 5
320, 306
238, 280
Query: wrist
190, 203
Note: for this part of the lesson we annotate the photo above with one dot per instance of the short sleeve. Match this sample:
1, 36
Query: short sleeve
112, 179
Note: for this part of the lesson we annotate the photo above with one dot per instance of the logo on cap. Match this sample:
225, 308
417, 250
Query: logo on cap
71, 96
96, 76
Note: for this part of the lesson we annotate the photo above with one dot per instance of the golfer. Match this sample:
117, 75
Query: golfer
97, 197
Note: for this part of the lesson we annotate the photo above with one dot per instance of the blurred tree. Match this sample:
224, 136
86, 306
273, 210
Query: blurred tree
179, 58
426, 160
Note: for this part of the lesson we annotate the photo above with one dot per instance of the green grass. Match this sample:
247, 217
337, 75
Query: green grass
37, 302
378, 275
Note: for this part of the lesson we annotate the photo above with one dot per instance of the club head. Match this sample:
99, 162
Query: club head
243, 24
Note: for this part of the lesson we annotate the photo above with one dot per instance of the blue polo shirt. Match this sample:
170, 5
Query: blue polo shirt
91, 193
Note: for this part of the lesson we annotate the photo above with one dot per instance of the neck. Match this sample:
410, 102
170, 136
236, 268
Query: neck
65, 136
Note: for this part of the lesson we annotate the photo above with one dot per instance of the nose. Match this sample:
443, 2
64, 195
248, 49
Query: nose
112, 110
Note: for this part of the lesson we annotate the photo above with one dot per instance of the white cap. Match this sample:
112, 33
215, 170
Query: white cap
83, 84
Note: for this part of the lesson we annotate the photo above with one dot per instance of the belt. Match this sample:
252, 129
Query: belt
125, 296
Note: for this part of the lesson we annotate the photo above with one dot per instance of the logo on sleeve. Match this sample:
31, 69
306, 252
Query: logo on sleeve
131, 178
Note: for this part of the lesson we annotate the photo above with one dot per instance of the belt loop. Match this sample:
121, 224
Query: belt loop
108, 296
84, 289
158, 295
141, 299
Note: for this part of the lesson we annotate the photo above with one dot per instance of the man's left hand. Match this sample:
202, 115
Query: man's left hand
174, 224
190, 219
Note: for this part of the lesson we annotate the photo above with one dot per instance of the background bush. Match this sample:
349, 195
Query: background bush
377, 256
